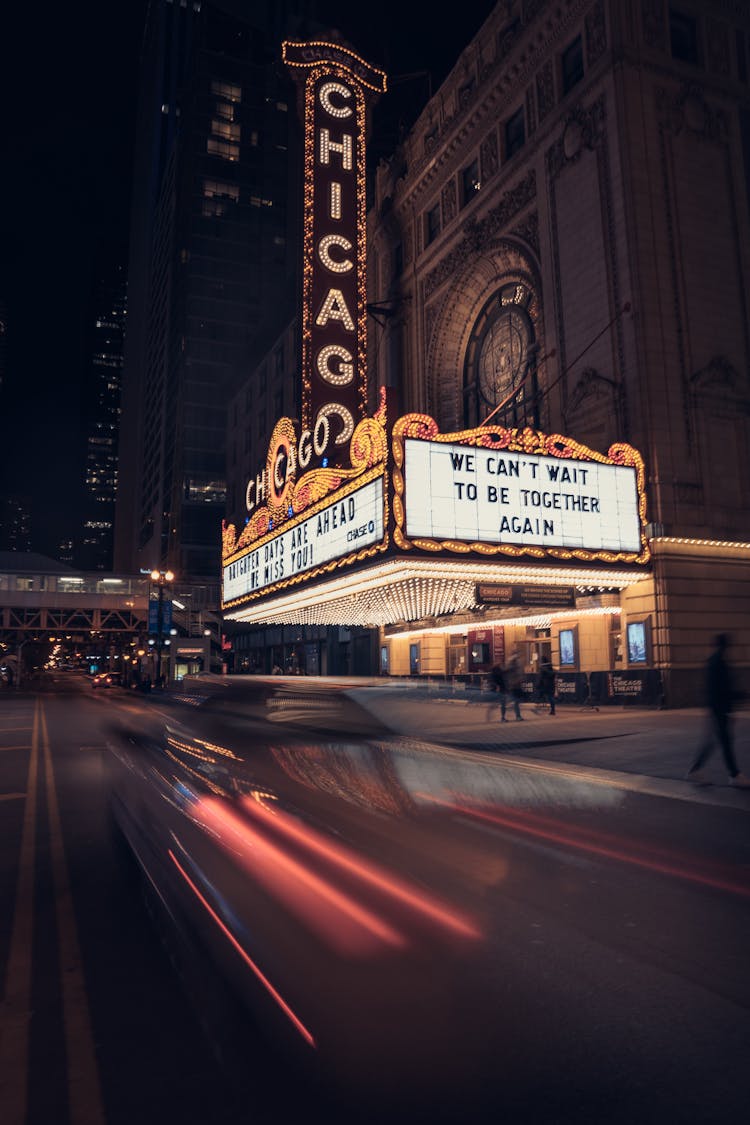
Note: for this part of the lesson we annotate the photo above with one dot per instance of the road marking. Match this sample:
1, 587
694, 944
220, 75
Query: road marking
12, 796
12, 730
84, 1093
15, 1012
24, 747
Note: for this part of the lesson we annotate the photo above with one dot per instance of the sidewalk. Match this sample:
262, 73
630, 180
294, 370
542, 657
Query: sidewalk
641, 749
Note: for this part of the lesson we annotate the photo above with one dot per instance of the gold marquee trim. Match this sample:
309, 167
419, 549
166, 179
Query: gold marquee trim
424, 428
368, 448
354, 483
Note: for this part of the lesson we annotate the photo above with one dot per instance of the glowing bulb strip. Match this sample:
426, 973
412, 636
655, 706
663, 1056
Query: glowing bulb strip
535, 620
312, 53
410, 589
722, 544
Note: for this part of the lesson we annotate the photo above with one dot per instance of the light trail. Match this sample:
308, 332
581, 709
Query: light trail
273, 992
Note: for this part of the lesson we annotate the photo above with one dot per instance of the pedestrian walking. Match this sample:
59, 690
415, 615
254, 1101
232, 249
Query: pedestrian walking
721, 696
498, 683
546, 686
513, 686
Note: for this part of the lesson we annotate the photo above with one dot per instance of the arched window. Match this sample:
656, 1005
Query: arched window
499, 356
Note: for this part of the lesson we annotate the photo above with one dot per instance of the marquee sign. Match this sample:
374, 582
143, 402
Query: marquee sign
495, 491
478, 494
313, 522
334, 316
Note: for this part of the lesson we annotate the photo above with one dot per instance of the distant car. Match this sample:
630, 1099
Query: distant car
106, 680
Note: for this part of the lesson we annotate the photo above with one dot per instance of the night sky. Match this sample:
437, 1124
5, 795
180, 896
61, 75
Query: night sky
69, 74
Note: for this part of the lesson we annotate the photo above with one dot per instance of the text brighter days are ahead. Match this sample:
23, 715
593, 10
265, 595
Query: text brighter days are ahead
493, 496
343, 526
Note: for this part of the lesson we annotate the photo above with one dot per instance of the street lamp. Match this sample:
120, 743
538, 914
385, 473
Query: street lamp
160, 578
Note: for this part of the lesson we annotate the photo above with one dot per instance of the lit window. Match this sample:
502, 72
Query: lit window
226, 129
223, 149
226, 90
216, 189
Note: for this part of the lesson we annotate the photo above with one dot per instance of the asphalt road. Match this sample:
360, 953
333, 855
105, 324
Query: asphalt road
607, 980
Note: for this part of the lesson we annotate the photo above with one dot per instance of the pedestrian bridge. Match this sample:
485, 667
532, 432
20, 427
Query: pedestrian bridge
43, 600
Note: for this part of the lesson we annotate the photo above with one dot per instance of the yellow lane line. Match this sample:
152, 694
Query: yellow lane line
24, 747
84, 1093
12, 730
15, 1011
12, 796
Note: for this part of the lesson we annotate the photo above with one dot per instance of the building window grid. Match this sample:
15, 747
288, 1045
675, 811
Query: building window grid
514, 133
432, 225
571, 65
683, 36
226, 90
223, 149
470, 182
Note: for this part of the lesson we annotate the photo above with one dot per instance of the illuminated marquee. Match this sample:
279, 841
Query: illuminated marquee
339, 528
334, 315
310, 523
516, 492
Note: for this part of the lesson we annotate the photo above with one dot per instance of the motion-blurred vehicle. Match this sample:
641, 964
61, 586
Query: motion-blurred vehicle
289, 838
106, 680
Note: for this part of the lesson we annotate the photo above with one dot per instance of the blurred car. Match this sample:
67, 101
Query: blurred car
281, 836
107, 680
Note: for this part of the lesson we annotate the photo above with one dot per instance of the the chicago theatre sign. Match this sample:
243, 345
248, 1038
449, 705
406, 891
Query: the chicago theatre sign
365, 520
334, 284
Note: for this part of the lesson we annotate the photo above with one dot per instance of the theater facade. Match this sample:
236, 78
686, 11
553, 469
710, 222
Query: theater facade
524, 403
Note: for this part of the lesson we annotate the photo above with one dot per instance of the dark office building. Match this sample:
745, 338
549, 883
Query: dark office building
103, 424
15, 523
3, 330
213, 257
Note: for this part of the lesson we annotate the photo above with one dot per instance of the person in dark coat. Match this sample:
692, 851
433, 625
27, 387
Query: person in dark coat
546, 686
500, 681
720, 698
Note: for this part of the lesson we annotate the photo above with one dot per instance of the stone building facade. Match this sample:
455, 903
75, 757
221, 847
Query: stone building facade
563, 241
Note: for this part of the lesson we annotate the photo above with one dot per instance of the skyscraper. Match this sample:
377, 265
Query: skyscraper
103, 424
212, 262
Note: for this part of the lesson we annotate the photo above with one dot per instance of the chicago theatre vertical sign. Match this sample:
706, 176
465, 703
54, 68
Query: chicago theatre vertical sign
336, 84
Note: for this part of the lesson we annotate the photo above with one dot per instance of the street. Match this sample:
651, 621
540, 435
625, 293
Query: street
596, 969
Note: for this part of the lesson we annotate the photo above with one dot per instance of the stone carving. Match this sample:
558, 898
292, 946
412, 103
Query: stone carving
596, 33
654, 27
530, 110
449, 201
531, 9
595, 390
720, 381
488, 156
690, 110
528, 231
545, 90
478, 234
408, 244
584, 128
